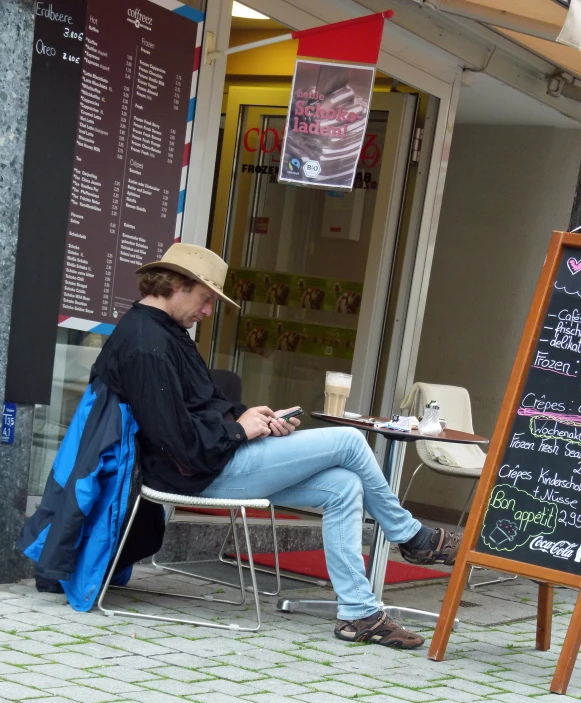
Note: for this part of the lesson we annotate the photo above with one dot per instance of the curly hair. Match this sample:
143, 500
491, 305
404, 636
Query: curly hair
161, 283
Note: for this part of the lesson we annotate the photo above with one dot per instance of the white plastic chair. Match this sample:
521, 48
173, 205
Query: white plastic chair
455, 408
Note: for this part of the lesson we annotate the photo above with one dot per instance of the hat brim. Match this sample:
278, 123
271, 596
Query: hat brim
185, 272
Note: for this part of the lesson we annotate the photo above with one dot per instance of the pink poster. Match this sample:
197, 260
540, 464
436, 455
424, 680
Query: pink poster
327, 120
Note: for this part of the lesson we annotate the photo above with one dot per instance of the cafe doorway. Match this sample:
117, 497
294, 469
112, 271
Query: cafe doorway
306, 265
242, 220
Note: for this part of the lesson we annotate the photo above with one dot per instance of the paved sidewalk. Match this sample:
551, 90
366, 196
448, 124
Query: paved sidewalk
48, 652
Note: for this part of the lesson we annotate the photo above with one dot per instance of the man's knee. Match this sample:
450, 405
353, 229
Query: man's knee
347, 486
354, 438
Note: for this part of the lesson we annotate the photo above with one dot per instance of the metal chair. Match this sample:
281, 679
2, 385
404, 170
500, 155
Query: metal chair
221, 557
171, 501
455, 407
230, 384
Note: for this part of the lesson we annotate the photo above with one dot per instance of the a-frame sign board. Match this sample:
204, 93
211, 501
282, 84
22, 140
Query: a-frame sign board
526, 515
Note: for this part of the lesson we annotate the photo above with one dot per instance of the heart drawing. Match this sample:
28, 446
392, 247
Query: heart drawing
574, 265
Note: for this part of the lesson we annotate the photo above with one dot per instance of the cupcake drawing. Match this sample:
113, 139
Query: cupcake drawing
504, 531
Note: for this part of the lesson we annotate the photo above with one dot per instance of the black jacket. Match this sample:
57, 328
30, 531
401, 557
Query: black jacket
186, 439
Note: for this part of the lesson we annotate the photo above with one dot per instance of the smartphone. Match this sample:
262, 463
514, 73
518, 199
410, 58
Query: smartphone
293, 413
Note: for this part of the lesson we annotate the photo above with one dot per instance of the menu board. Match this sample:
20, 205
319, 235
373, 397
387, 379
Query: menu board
136, 60
533, 514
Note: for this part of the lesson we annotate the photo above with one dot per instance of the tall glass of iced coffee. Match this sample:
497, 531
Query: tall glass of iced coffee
337, 387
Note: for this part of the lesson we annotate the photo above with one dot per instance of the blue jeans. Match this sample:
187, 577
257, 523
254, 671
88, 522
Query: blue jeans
333, 469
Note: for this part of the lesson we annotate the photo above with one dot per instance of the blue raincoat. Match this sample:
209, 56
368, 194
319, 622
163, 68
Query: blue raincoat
75, 532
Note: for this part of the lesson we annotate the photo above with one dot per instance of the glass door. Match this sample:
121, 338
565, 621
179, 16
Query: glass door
304, 263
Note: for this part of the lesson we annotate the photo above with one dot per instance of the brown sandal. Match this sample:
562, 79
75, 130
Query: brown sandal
442, 550
378, 629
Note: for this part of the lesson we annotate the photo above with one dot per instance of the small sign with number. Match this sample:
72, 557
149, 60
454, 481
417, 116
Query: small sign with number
8, 423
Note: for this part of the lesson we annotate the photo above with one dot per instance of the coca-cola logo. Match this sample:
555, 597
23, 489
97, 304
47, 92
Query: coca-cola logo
561, 549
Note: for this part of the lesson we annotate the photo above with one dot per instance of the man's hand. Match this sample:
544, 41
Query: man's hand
256, 421
280, 427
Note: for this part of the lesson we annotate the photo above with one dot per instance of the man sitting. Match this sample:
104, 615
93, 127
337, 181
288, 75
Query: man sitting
194, 441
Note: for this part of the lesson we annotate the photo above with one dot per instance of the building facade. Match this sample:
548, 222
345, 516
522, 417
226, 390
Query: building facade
425, 271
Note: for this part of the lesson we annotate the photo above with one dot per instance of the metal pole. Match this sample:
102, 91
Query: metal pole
211, 55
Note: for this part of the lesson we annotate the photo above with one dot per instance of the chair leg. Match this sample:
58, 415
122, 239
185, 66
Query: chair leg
466, 504
172, 568
501, 579
169, 512
185, 621
251, 565
407, 490
238, 561
275, 548
231, 562
105, 587
276, 571
252, 568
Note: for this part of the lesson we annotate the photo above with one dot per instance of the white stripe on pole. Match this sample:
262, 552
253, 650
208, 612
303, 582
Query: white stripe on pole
571, 32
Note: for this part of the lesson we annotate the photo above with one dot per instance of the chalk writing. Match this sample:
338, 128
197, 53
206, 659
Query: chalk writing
507, 525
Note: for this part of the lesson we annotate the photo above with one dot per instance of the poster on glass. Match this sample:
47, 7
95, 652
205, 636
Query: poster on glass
327, 118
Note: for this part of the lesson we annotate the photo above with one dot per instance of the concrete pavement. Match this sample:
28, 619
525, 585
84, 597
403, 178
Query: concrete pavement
48, 652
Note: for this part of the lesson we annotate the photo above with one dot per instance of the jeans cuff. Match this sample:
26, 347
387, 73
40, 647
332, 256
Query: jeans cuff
411, 534
346, 613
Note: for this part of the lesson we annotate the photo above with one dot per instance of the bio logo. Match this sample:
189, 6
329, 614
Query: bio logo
312, 169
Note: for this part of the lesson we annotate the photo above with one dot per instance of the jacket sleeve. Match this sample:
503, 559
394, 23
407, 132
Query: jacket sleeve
197, 442
238, 409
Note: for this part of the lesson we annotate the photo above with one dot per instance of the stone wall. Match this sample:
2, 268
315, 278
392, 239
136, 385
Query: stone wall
16, 35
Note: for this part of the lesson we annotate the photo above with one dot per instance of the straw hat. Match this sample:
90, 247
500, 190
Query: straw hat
195, 262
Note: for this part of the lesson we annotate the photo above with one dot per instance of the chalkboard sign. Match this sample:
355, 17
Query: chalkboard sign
526, 515
55, 85
534, 510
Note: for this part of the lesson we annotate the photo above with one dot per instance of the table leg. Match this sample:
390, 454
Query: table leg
328, 609
379, 549
378, 562
318, 608
398, 613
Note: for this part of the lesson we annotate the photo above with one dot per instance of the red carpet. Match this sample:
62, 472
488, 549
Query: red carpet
250, 512
312, 563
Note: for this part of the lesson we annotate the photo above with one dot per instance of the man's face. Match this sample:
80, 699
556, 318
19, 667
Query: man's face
187, 308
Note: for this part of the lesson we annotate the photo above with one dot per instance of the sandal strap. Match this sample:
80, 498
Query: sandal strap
383, 626
383, 630
444, 551
441, 541
362, 627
